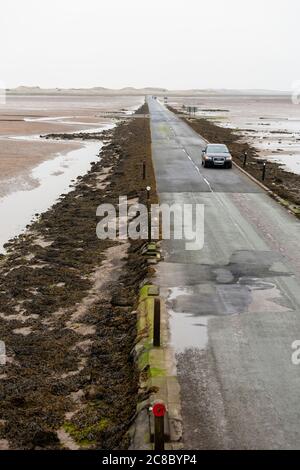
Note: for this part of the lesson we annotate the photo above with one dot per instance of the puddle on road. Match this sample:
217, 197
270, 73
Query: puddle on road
187, 330
216, 291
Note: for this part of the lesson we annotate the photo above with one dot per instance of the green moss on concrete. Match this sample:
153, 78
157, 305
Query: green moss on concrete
150, 359
141, 324
144, 291
157, 372
84, 437
143, 360
151, 247
284, 202
150, 316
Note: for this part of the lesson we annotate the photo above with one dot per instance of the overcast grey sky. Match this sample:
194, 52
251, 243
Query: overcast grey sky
167, 43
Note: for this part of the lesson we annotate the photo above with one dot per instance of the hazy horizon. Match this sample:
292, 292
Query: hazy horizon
148, 88
182, 45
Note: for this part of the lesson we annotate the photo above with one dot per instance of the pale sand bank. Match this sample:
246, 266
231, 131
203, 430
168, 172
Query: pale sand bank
38, 115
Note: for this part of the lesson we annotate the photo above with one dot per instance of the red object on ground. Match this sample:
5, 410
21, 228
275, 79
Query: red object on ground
159, 410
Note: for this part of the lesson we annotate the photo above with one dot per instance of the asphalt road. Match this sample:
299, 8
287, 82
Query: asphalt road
234, 305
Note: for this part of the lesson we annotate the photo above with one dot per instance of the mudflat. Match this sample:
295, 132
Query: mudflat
24, 118
68, 315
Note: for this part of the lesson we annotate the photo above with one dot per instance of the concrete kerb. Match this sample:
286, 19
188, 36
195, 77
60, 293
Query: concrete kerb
157, 376
293, 209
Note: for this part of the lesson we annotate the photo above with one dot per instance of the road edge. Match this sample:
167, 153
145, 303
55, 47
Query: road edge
291, 208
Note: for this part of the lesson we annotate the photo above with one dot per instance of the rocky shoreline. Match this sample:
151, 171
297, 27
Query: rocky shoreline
67, 313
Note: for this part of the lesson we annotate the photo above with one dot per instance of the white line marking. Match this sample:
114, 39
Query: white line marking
217, 197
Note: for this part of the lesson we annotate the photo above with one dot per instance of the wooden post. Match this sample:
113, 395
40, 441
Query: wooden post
149, 213
264, 171
156, 323
159, 431
159, 410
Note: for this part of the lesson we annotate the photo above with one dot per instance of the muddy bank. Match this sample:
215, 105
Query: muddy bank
285, 184
25, 117
73, 136
67, 302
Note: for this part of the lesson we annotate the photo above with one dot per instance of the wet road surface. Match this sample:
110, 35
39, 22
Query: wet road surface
234, 305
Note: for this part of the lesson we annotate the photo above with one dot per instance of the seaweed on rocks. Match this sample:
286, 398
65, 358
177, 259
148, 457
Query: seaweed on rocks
67, 310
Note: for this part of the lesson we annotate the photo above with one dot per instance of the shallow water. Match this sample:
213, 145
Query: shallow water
38, 191
53, 178
276, 139
188, 330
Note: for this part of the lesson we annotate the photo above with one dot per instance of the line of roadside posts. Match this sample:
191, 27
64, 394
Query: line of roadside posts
193, 109
158, 408
264, 165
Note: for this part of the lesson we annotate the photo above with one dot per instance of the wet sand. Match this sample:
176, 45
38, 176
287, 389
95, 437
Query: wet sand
36, 193
30, 116
18, 158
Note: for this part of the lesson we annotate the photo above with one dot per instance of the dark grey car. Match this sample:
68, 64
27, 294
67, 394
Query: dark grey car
216, 155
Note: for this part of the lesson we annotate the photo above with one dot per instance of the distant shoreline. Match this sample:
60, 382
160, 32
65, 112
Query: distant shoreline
35, 91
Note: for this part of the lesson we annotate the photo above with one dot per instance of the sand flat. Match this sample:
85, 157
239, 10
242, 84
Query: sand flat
19, 156
32, 116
